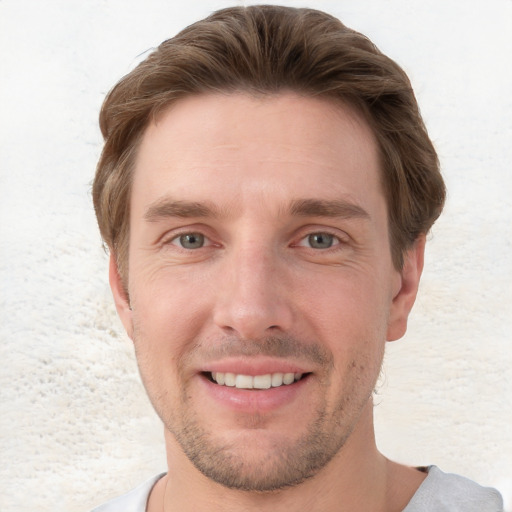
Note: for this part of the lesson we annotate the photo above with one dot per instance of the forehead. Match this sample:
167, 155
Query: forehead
239, 148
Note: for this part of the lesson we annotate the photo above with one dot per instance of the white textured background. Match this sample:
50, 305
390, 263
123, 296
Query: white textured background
75, 425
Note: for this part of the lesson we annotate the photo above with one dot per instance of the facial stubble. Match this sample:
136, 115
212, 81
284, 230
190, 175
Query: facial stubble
236, 463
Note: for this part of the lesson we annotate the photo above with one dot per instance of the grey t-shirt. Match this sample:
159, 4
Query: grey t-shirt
439, 492
446, 492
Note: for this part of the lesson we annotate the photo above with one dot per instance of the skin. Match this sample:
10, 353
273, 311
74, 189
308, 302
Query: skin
289, 268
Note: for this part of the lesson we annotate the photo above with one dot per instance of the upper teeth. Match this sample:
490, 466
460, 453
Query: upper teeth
255, 382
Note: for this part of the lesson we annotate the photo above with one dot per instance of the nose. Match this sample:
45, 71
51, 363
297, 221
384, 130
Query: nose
253, 299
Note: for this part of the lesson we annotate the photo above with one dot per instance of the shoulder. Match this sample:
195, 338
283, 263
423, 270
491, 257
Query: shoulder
446, 492
133, 501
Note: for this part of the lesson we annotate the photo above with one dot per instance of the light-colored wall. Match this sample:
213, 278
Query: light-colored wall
75, 425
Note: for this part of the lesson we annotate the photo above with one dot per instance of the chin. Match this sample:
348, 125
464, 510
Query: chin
258, 459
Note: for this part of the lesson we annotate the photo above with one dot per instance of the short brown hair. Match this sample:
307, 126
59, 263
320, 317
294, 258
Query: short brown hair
266, 50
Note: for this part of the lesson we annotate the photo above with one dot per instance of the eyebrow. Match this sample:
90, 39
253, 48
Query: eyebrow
167, 207
327, 208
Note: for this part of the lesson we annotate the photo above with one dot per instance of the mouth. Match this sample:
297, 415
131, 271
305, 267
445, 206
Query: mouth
255, 382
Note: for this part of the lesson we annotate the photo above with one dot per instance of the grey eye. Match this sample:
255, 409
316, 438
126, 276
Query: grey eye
191, 240
321, 240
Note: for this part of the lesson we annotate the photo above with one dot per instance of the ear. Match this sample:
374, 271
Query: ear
409, 280
120, 295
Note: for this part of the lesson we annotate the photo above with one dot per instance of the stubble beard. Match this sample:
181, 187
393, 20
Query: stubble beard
284, 463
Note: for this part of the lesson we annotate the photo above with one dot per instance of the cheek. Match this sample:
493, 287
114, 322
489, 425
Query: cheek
346, 303
167, 292
168, 316
349, 316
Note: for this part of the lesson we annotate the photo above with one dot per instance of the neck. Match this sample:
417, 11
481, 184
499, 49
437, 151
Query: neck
358, 478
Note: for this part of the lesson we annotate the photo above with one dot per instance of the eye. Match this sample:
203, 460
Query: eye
190, 240
321, 240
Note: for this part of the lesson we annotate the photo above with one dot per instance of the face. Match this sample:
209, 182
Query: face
260, 282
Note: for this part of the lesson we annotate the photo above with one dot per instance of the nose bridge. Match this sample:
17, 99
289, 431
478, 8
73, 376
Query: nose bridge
253, 301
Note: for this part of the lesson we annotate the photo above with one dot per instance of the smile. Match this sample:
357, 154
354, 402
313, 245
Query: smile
267, 381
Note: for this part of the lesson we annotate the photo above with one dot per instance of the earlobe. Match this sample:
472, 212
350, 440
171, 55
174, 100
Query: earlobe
120, 296
404, 299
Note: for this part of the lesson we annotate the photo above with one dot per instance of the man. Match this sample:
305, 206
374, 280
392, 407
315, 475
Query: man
265, 191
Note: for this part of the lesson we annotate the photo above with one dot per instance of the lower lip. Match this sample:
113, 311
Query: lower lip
254, 401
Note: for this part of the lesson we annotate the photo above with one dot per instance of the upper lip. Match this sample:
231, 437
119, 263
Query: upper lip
253, 366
